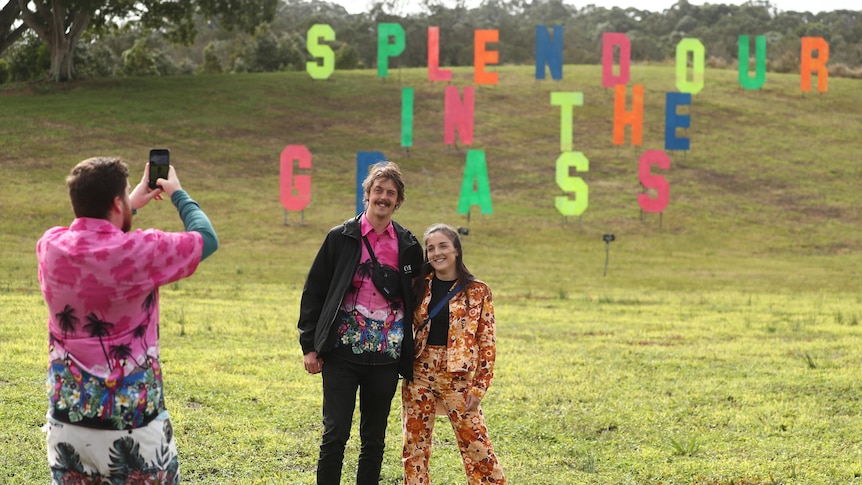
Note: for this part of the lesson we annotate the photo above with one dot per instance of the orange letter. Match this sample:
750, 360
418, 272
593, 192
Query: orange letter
481, 57
811, 63
633, 118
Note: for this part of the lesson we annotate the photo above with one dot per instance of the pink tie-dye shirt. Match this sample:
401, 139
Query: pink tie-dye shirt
101, 288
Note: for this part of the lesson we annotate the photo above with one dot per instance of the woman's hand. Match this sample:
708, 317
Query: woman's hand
472, 403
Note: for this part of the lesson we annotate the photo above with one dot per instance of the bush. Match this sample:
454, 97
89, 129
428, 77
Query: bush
95, 60
212, 63
5, 73
28, 59
346, 57
139, 60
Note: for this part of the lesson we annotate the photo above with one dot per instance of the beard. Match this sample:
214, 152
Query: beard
127, 217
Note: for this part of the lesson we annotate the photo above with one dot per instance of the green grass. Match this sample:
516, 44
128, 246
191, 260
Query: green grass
721, 347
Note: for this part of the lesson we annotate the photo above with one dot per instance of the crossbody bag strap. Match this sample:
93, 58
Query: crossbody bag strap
370, 251
439, 306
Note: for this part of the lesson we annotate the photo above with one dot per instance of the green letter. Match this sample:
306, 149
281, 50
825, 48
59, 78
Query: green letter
475, 175
323, 51
385, 50
570, 184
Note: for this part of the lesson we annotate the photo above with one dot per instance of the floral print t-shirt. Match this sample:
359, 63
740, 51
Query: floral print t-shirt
101, 288
369, 323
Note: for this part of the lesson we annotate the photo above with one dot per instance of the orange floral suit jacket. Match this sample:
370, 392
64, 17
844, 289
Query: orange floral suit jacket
472, 342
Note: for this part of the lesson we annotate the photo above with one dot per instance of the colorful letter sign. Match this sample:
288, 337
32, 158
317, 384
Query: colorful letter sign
745, 80
407, 117
459, 115
695, 47
434, 73
810, 64
566, 101
475, 188
549, 51
653, 182
481, 57
633, 118
674, 121
609, 41
295, 189
571, 184
321, 51
387, 49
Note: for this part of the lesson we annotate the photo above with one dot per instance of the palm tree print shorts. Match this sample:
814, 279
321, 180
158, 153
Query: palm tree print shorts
87, 456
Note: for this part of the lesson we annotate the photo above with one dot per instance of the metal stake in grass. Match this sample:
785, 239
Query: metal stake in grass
607, 238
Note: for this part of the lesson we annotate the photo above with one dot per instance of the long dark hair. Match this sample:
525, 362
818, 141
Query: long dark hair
465, 277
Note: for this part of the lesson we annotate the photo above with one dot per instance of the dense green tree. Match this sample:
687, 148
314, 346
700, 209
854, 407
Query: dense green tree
61, 24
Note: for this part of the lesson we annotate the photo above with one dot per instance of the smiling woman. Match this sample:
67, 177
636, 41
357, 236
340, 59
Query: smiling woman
454, 362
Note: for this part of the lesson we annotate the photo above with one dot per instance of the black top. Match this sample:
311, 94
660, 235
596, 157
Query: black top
438, 334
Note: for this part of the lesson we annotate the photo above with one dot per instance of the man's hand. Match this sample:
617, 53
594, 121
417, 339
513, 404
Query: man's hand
313, 364
142, 193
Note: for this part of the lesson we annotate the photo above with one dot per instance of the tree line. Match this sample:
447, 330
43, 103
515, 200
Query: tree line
103, 38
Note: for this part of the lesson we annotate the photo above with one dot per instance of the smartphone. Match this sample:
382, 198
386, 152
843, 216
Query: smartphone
160, 163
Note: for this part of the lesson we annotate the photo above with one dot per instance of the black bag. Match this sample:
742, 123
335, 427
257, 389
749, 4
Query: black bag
386, 279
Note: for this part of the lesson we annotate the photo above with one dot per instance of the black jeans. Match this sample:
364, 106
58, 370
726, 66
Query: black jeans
376, 385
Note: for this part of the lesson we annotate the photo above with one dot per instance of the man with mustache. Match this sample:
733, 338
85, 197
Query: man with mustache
354, 323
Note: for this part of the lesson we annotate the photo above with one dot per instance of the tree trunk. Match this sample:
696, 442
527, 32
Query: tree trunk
60, 28
62, 65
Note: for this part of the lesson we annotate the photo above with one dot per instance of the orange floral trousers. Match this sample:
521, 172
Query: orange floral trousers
432, 385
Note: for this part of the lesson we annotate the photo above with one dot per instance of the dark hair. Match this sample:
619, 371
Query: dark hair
384, 170
93, 185
465, 277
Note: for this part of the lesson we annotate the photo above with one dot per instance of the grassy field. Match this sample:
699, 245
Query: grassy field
722, 346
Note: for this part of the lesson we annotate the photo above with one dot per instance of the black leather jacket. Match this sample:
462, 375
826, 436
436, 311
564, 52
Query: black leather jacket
329, 279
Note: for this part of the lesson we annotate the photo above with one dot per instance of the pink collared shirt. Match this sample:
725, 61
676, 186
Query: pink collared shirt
101, 288
363, 296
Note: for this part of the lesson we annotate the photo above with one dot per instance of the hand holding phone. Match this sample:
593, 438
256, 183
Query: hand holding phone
159, 166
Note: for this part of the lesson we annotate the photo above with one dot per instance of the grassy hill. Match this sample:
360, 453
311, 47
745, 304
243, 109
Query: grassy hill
728, 325
766, 197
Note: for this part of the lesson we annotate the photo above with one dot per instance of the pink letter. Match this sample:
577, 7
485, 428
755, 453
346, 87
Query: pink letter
609, 41
434, 73
650, 181
300, 183
460, 114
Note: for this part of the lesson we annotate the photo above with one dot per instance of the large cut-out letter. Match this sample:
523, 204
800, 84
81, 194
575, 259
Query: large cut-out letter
745, 80
295, 189
320, 51
571, 184
434, 71
695, 47
482, 57
609, 41
810, 64
387, 49
549, 51
653, 182
674, 121
459, 114
364, 161
633, 118
475, 177
566, 101
407, 117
